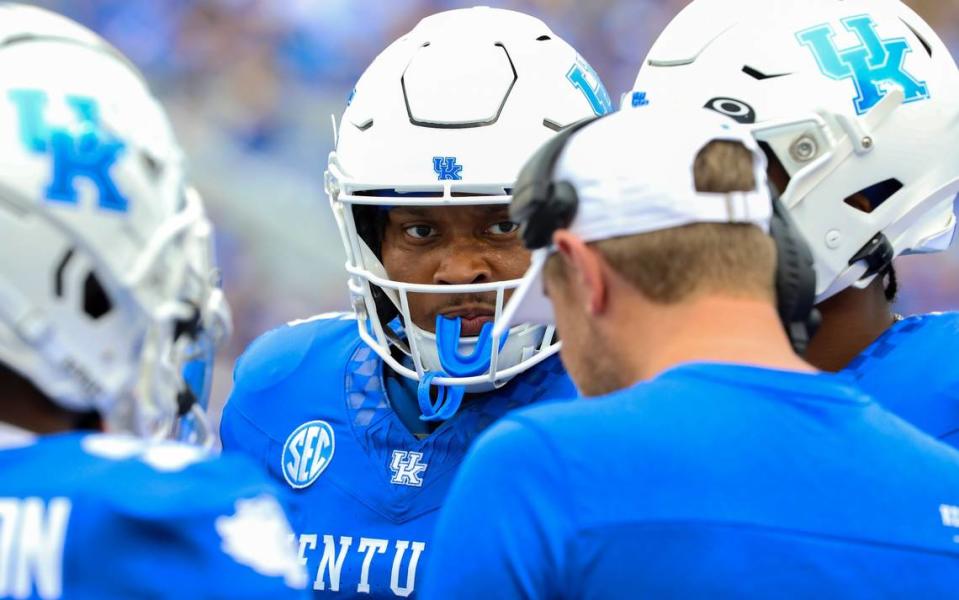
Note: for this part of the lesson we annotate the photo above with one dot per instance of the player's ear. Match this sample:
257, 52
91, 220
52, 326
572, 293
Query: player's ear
584, 270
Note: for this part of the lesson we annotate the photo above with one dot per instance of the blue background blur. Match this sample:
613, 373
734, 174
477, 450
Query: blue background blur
251, 84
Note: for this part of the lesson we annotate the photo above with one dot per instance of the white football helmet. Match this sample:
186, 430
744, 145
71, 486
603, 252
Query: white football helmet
854, 97
107, 287
446, 116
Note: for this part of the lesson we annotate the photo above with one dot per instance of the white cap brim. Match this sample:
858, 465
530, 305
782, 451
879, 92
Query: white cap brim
528, 304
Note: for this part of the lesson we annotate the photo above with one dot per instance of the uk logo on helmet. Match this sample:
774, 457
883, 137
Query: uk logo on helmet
872, 65
307, 453
585, 79
446, 168
83, 151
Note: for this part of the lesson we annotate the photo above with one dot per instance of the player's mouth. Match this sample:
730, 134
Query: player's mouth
472, 318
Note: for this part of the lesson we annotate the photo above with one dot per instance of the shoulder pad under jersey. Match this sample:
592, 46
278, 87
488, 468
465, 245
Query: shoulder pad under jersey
167, 479
275, 355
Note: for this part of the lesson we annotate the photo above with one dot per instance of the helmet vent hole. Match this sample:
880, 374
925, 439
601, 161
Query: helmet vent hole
552, 125
778, 175
96, 303
759, 75
152, 165
543, 38
58, 276
869, 199
921, 39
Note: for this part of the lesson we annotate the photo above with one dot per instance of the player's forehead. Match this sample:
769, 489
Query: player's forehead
482, 212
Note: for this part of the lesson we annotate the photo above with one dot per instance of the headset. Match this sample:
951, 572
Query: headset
541, 205
795, 277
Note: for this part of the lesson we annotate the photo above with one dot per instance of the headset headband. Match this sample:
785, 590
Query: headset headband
541, 205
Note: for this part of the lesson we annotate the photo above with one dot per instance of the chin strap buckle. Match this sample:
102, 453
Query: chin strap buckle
878, 254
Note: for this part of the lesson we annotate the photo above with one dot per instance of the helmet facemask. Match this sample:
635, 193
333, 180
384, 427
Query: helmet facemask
382, 305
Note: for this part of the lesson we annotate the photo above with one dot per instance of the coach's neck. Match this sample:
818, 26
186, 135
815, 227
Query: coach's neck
653, 338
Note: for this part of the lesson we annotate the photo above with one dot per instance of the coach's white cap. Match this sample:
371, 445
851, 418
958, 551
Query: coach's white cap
633, 174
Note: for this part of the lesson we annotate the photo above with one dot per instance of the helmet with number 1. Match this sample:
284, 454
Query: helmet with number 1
858, 101
107, 287
446, 116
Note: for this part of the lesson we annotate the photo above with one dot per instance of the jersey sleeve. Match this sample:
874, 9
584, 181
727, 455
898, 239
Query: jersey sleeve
238, 432
504, 524
267, 361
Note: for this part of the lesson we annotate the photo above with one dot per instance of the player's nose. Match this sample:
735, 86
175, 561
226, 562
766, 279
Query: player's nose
461, 266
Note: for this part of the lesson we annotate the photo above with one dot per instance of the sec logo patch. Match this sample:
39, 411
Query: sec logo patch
307, 453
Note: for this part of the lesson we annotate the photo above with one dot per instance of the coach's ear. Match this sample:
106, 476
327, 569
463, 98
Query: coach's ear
584, 268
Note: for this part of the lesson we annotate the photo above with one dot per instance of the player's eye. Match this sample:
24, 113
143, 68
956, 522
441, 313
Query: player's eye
420, 232
503, 228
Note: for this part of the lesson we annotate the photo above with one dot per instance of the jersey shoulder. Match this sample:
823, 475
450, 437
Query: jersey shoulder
675, 411
910, 371
211, 526
279, 353
152, 480
912, 341
287, 377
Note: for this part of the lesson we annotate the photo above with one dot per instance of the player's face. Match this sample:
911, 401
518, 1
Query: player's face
453, 246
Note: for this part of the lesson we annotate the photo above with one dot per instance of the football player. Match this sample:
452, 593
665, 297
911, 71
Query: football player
106, 295
710, 461
366, 416
856, 104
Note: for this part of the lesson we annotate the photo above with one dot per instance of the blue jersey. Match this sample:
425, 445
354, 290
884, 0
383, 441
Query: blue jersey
911, 371
309, 404
98, 516
709, 481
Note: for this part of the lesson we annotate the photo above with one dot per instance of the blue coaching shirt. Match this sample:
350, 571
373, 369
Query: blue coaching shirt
94, 516
310, 404
709, 481
911, 370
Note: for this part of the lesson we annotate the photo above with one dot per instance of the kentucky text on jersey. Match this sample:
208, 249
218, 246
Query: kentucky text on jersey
309, 404
100, 517
334, 551
709, 480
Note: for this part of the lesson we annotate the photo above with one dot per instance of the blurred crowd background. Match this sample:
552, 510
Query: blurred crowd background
251, 86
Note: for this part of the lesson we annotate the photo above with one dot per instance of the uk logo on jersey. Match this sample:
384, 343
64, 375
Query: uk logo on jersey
872, 65
407, 468
950, 515
446, 168
257, 535
82, 150
307, 453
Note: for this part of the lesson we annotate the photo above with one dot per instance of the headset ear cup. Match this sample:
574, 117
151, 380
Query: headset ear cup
795, 279
565, 203
541, 205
